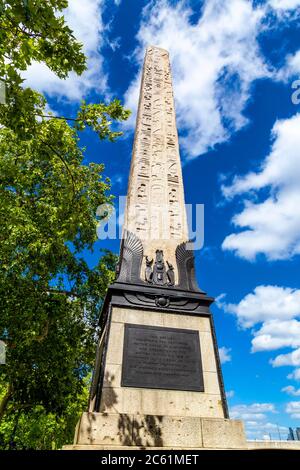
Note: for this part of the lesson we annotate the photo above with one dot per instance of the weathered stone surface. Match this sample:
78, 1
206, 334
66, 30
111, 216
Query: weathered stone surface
257, 445
283, 445
223, 434
146, 317
211, 383
115, 345
203, 405
112, 377
120, 448
138, 316
105, 429
156, 401
155, 209
139, 430
207, 352
161, 431
160, 402
135, 431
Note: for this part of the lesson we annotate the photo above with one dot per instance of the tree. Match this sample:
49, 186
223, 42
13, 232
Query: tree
38, 429
48, 199
33, 30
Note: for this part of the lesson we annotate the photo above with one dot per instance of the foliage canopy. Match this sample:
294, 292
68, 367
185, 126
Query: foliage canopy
50, 297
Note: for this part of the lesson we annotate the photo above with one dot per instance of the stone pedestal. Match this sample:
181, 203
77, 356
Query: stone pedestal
122, 417
186, 311
101, 431
147, 401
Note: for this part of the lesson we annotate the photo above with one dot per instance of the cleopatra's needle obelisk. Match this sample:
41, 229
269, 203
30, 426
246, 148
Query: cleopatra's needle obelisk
157, 379
155, 202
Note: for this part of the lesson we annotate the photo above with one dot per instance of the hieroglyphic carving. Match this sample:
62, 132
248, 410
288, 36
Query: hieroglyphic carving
143, 167
173, 172
141, 219
157, 192
156, 173
156, 169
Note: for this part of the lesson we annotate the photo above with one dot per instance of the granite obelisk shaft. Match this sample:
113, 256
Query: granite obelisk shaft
155, 209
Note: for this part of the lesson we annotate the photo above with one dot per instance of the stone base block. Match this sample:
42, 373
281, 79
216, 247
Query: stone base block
223, 433
273, 445
149, 431
257, 445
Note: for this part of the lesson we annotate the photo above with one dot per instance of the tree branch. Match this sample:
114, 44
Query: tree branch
64, 162
56, 117
63, 292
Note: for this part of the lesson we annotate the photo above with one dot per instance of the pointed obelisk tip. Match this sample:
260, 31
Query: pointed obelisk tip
152, 47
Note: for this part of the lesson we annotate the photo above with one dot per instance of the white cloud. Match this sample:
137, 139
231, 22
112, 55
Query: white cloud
291, 67
293, 409
266, 303
230, 394
275, 334
291, 390
289, 359
284, 4
255, 411
85, 19
244, 415
225, 355
214, 63
295, 375
118, 179
275, 309
256, 419
265, 430
271, 227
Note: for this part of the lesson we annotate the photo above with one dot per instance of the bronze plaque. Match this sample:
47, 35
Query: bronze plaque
165, 358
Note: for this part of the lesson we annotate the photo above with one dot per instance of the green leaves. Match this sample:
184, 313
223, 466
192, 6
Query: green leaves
35, 428
50, 297
36, 30
19, 112
100, 118
33, 30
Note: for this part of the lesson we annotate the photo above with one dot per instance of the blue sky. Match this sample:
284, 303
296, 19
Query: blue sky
233, 67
